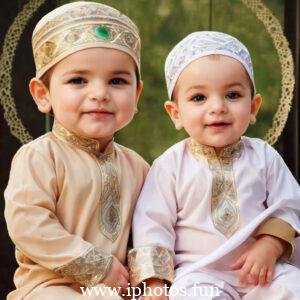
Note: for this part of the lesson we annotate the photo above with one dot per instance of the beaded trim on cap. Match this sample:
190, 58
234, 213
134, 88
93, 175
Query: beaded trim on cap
81, 25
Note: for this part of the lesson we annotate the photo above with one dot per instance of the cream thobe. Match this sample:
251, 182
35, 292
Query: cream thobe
53, 202
173, 217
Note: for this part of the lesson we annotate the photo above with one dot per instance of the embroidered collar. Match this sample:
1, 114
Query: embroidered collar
232, 151
87, 144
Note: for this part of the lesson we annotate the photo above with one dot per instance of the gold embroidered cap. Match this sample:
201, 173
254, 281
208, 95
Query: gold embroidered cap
81, 25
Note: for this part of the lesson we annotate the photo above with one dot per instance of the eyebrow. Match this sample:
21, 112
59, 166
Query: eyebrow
82, 72
195, 87
79, 72
235, 84
199, 86
121, 72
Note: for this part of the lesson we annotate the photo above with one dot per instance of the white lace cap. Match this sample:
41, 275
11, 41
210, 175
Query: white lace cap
203, 43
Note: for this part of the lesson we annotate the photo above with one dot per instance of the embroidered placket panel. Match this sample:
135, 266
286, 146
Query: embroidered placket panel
110, 214
224, 204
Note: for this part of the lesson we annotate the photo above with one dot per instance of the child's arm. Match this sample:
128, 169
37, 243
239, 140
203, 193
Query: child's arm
275, 239
282, 230
31, 201
257, 264
153, 229
276, 236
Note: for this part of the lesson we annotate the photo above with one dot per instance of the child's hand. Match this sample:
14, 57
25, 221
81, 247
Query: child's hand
257, 264
153, 283
117, 275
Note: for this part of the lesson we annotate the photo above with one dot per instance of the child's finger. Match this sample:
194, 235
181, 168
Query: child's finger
123, 284
124, 272
254, 274
269, 276
245, 271
262, 280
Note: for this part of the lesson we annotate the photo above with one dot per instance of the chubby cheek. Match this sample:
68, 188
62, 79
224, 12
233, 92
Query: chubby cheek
126, 103
126, 111
244, 117
71, 101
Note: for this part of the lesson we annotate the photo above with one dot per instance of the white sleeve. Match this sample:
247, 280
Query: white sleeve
154, 228
283, 187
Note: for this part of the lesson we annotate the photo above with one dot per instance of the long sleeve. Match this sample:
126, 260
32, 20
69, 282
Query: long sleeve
279, 229
282, 185
31, 206
153, 228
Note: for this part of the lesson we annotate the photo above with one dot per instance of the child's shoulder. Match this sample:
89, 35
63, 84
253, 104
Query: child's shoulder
42, 145
259, 146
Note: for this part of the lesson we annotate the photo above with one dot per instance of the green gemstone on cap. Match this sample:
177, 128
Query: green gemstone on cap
103, 32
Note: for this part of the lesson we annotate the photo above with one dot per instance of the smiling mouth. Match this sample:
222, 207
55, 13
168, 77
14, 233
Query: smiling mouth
218, 125
99, 113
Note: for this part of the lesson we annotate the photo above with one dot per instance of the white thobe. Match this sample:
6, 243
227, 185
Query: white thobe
174, 208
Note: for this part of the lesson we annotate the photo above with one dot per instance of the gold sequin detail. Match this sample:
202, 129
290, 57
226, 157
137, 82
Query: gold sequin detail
150, 262
88, 269
110, 210
224, 204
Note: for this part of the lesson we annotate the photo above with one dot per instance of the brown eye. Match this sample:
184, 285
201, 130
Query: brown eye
117, 81
198, 98
77, 80
232, 95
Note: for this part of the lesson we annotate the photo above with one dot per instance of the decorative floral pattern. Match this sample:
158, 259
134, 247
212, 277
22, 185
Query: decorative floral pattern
224, 203
150, 262
88, 269
110, 211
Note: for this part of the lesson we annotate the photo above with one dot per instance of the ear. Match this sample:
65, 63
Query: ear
40, 94
139, 91
172, 109
255, 105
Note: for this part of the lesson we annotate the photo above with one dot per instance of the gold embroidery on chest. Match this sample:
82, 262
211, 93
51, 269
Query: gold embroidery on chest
110, 207
110, 214
224, 203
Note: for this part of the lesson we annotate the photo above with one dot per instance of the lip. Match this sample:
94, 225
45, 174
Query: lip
218, 125
99, 113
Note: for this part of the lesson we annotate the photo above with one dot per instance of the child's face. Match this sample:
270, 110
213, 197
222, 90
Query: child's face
212, 101
94, 92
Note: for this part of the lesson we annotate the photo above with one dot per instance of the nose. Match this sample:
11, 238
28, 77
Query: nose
99, 91
218, 105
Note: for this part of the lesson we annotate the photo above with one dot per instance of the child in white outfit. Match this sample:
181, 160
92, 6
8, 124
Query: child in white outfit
206, 198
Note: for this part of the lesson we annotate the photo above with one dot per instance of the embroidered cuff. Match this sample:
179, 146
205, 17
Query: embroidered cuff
150, 262
282, 230
88, 269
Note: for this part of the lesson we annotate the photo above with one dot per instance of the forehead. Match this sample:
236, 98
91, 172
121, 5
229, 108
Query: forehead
97, 56
212, 69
